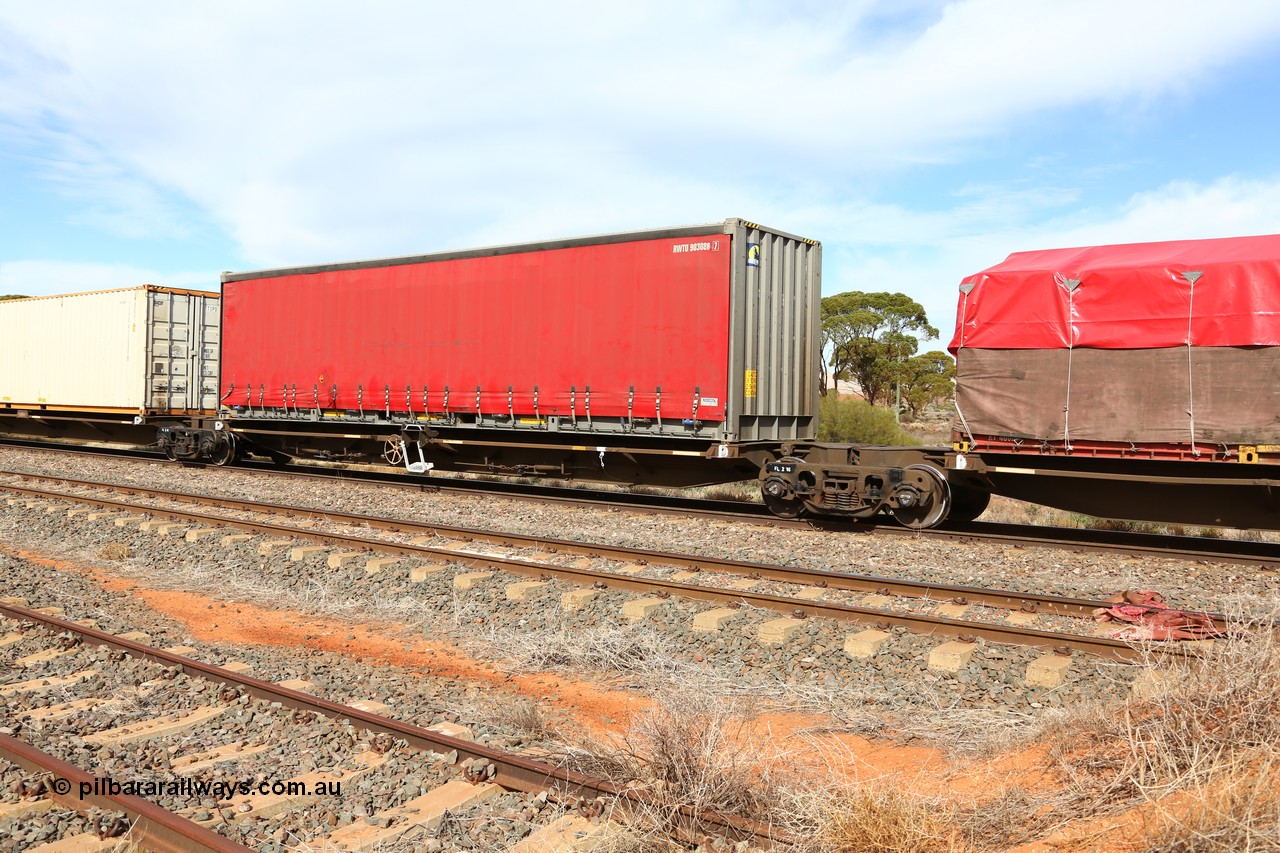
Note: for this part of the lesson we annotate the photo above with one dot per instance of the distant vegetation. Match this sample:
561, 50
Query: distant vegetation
4, 296
872, 341
847, 419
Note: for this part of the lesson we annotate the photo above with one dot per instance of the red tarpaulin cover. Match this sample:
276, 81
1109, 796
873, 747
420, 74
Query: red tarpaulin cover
1133, 296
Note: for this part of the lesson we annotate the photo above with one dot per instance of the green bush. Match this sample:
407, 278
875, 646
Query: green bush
846, 419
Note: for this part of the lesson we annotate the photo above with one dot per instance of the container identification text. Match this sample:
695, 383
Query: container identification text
704, 246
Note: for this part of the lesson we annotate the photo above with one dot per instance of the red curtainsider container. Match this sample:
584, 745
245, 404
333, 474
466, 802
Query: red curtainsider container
703, 331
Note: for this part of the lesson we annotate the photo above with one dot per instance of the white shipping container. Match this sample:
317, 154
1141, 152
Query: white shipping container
143, 350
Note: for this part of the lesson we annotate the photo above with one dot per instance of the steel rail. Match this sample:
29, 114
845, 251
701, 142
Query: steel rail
512, 771
745, 511
1163, 546
917, 623
825, 578
1021, 535
150, 825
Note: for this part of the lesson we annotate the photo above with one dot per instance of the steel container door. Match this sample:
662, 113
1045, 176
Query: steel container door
182, 350
775, 336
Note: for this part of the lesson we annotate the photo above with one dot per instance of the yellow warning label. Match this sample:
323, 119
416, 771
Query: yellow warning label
749, 383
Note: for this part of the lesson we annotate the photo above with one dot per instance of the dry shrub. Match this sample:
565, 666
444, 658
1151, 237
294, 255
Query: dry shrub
523, 715
1239, 813
745, 492
881, 819
1013, 816
1211, 712
114, 551
1205, 722
691, 755
931, 716
631, 650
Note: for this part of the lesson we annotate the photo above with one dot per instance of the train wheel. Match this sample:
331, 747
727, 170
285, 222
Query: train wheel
392, 450
779, 495
934, 502
224, 453
791, 507
967, 504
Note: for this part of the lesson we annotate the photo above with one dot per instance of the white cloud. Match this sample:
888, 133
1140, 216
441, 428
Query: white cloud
1184, 210
46, 278
312, 131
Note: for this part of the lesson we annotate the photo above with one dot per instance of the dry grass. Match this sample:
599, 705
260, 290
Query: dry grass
874, 818
1011, 817
114, 551
745, 491
524, 716
884, 821
929, 434
930, 714
1203, 718
631, 651
690, 755
239, 580
1207, 731
938, 721
1199, 753
1240, 813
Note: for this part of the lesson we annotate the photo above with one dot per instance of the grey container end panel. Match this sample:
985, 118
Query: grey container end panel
775, 334
182, 350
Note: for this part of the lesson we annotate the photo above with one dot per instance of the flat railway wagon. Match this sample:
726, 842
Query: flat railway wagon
108, 365
677, 356
1137, 381
1133, 382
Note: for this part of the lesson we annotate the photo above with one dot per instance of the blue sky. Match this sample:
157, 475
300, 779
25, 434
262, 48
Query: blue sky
920, 141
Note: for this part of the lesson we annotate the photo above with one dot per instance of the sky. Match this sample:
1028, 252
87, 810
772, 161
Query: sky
920, 141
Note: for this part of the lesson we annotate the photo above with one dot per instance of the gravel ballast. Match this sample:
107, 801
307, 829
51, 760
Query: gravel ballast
815, 657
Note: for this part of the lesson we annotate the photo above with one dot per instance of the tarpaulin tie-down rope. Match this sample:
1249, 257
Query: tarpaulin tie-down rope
965, 289
1070, 284
1191, 278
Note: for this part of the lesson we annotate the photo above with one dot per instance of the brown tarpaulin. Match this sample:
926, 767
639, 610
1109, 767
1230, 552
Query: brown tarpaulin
1136, 395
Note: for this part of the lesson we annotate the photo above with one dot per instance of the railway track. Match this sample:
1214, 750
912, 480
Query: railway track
962, 614
53, 654
394, 478
1190, 548
131, 820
